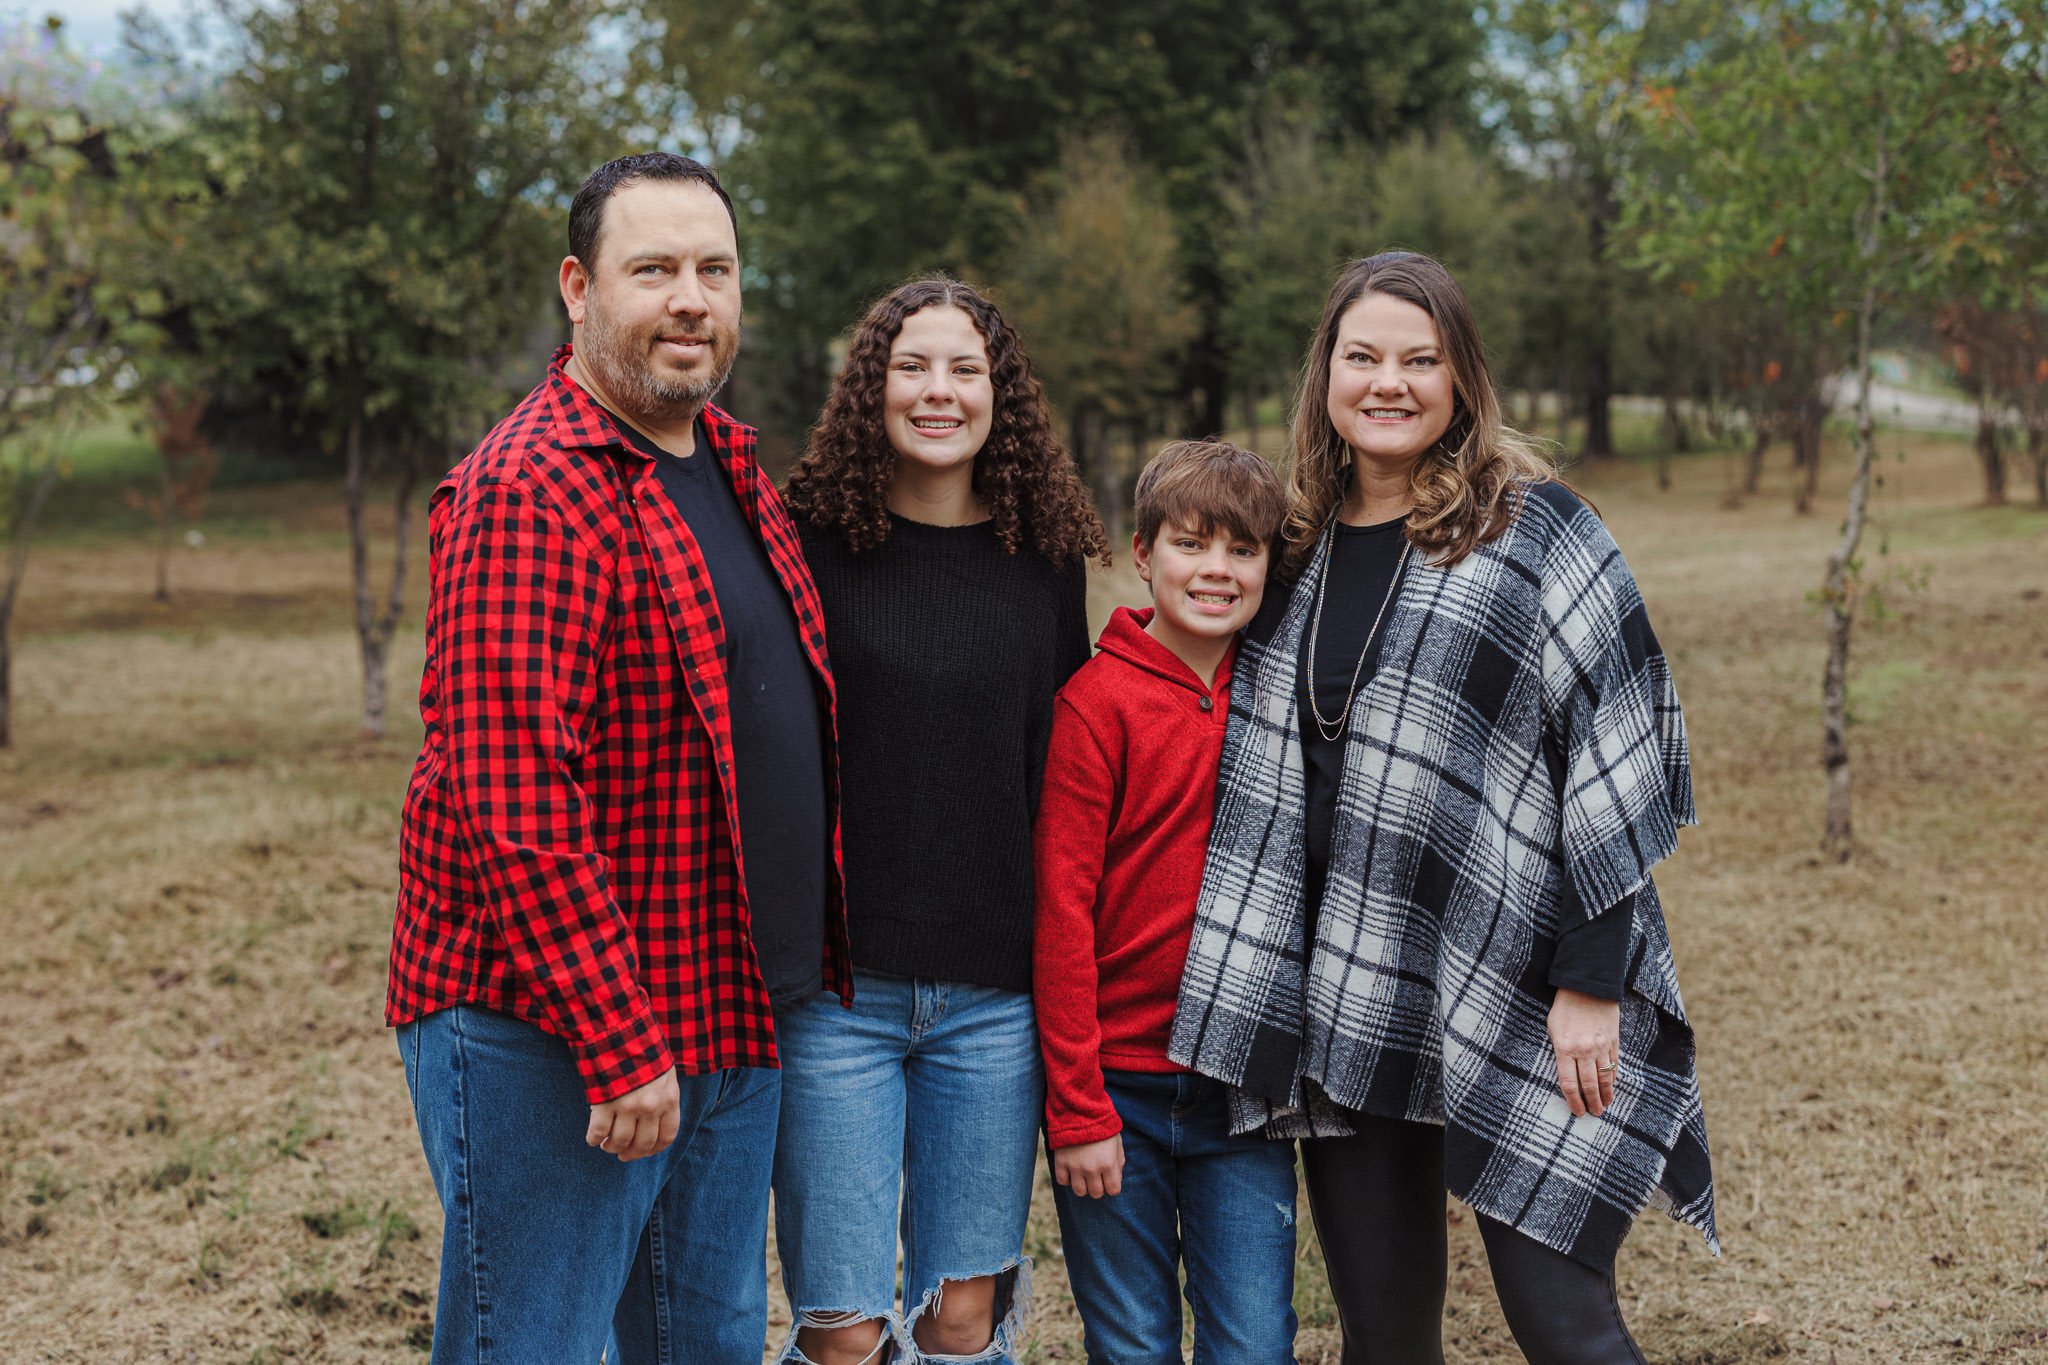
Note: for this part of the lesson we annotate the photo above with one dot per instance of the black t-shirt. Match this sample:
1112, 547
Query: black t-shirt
777, 731
1590, 956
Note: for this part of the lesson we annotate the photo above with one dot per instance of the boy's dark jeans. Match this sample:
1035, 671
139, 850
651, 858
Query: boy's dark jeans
1191, 1192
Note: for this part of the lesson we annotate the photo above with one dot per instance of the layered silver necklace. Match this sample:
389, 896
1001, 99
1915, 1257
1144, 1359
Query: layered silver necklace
1333, 730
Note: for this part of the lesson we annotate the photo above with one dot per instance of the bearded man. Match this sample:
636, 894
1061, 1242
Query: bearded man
620, 845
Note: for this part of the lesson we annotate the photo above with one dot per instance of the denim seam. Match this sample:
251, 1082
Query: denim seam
466, 1193
657, 1259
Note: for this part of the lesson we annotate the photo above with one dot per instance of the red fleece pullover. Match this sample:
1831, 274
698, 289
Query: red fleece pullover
1123, 827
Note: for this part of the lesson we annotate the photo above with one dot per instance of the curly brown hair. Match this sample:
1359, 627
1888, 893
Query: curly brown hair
1465, 487
1023, 475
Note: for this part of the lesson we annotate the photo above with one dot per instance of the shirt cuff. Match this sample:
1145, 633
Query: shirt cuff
1592, 955
621, 1061
1075, 1132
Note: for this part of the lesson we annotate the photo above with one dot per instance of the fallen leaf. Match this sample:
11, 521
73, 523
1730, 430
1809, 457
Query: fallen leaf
1757, 1317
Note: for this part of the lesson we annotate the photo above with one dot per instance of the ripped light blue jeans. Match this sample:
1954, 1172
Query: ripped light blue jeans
1192, 1195
915, 1112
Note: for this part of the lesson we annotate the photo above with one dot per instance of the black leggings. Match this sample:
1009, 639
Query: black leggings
1378, 1202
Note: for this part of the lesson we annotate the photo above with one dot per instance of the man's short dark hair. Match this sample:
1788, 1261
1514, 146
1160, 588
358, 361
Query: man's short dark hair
586, 211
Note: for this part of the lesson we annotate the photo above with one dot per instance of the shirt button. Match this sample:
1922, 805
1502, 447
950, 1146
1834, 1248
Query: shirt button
1208, 703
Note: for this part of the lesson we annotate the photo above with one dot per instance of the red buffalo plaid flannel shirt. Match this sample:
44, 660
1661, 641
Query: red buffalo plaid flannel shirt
567, 853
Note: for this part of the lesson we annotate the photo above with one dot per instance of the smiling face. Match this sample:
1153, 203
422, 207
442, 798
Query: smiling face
939, 398
1391, 392
656, 316
1206, 585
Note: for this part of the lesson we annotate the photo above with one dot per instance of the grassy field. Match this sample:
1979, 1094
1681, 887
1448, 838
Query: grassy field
206, 1153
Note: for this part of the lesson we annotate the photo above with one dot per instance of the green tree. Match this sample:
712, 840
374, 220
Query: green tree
1442, 196
1095, 291
1309, 207
1567, 74
1822, 166
892, 136
1298, 214
1994, 266
68, 322
386, 185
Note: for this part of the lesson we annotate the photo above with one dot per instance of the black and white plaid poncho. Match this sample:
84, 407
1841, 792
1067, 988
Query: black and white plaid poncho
1518, 759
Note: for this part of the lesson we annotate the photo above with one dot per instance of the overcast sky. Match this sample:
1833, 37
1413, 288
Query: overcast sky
89, 25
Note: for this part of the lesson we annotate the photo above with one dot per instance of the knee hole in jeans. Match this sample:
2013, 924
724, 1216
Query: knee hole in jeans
986, 1313
838, 1337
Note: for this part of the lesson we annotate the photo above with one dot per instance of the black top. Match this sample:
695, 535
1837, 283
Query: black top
1590, 956
946, 651
777, 732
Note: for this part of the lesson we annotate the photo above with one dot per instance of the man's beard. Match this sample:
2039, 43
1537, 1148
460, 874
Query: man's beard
623, 366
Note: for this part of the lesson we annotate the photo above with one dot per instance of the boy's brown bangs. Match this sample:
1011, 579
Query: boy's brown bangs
1203, 486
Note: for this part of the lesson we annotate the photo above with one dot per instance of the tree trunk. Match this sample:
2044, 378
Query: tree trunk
1677, 432
1083, 451
1109, 488
7, 680
1211, 362
356, 483
1599, 401
374, 628
1806, 434
1990, 453
21, 528
2037, 453
1753, 475
1840, 587
1839, 593
166, 515
1600, 212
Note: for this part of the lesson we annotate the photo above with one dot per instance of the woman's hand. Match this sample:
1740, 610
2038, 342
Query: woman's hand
1091, 1169
1586, 1031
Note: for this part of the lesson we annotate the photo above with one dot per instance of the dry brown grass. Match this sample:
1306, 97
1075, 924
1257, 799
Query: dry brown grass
206, 1152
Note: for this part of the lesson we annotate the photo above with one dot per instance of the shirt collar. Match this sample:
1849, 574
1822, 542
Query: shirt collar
581, 422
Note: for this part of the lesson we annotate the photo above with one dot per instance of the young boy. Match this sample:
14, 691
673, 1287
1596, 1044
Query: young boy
1147, 1171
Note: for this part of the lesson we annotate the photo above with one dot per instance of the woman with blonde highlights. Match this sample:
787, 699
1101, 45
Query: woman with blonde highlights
1428, 943
947, 531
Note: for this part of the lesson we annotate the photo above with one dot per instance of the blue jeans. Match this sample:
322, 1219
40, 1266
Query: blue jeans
554, 1252
917, 1111
1193, 1193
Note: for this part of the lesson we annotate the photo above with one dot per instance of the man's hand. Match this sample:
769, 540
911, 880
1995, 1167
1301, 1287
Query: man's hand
640, 1122
1091, 1169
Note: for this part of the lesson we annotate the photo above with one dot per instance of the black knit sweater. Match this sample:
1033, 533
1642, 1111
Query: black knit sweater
946, 652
